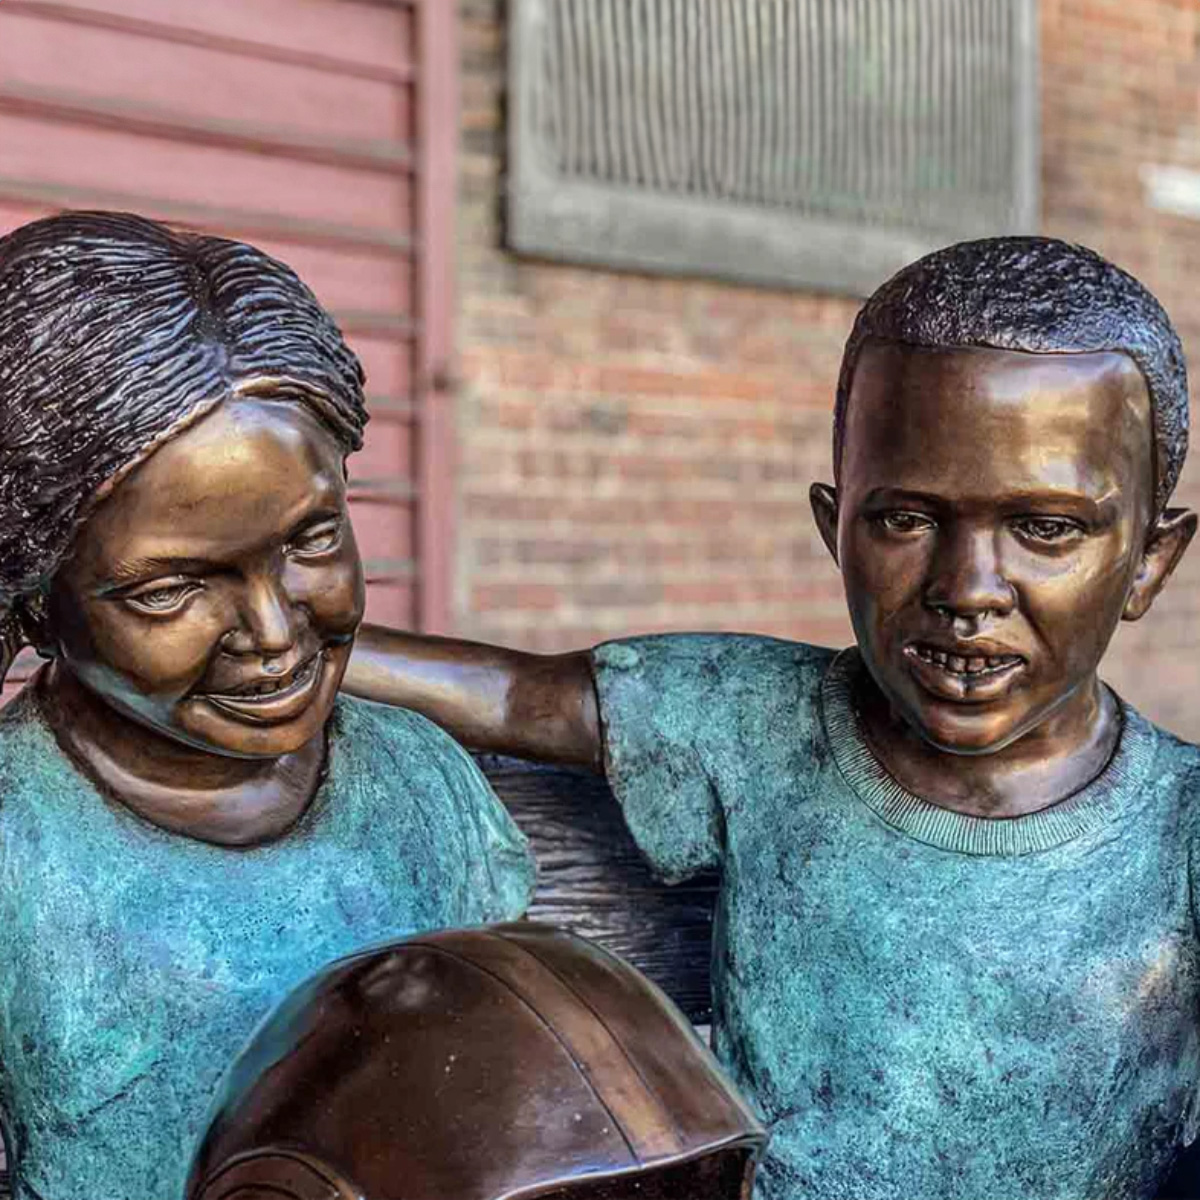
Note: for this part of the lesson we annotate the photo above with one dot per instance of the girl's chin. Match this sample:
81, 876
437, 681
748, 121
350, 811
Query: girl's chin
209, 728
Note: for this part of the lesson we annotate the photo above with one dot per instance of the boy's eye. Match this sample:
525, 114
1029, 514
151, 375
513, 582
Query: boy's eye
160, 599
904, 522
1047, 529
317, 539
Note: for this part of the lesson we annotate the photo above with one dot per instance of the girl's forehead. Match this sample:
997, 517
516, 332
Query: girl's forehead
242, 433
241, 476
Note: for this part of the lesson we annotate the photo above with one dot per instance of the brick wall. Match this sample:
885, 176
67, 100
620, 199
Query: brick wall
635, 453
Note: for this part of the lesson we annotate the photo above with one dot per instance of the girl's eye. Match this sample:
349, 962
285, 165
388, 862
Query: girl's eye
317, 540
162, 599
1047, 529
904, 522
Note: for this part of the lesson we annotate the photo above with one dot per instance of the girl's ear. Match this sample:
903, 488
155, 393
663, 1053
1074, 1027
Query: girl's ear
34, 624
1164, 548
824, 501
24, 624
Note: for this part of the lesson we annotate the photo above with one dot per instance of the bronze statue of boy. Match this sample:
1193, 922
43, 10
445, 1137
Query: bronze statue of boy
957, 951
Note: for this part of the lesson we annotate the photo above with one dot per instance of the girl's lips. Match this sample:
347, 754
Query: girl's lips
973, 679
274, 708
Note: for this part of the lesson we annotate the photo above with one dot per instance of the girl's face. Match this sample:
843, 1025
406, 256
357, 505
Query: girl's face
214, 596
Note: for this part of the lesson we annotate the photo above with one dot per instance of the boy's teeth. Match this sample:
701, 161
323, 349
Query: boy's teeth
961, 664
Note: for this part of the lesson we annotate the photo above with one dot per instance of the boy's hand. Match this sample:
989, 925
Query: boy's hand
538, 706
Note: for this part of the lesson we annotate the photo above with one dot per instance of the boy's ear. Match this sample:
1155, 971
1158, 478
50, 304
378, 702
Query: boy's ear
824, 501
1164, 548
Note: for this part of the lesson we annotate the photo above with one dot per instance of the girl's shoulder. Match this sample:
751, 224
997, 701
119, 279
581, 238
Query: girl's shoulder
367, 731
31, 760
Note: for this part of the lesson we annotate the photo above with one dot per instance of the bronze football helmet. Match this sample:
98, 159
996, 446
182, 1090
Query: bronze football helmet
489, 1064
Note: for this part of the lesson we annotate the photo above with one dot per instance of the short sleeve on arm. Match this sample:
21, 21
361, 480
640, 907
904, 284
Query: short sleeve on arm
498, 864
1190, 793
662, 704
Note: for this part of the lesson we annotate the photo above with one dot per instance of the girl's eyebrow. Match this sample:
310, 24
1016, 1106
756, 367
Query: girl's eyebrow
129, 572
318, 517
132, 571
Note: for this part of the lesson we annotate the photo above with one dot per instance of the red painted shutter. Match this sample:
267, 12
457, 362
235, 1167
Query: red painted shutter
321, 130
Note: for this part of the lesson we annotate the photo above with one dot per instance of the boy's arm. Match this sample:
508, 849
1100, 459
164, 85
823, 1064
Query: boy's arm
539, 706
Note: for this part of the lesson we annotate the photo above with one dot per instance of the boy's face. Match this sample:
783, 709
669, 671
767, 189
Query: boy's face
993, 523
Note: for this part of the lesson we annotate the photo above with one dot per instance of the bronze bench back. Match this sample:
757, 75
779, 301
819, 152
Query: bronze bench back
593, 881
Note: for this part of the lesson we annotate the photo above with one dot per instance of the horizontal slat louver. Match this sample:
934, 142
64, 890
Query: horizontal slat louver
288, 123
724, 136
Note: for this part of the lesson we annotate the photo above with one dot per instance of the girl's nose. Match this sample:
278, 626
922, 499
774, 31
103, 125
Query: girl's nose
267, 624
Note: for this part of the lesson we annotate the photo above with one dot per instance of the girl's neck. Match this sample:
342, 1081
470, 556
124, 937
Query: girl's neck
211, 797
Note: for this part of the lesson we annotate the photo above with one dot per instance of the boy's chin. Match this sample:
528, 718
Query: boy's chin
956, 727
968, 733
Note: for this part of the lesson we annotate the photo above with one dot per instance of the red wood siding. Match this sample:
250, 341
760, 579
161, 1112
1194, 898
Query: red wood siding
322, 130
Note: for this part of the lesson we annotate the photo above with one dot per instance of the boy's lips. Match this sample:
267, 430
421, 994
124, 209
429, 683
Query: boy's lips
272, 700
967, 672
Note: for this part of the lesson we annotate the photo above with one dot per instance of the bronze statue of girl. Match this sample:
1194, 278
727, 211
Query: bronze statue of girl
191, 819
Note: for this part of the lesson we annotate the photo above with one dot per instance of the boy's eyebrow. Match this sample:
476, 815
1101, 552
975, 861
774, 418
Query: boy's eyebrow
1092, 506
893, 495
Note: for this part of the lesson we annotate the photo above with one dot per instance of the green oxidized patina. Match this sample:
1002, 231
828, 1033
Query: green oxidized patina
922, 1003
137, 962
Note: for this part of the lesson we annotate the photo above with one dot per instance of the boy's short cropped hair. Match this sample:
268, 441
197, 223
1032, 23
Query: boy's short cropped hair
1041, 296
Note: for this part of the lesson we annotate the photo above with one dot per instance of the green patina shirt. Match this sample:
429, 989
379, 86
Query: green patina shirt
923, 1005
136, 962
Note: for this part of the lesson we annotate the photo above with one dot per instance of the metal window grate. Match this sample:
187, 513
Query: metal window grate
727, 136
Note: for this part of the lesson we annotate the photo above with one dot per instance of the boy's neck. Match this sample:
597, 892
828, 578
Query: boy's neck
1051, 762
211, 797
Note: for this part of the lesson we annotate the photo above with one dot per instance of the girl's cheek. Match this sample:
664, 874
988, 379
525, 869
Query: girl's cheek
159, 652
335, 595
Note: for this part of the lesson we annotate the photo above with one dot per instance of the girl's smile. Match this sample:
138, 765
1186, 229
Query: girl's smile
273, 698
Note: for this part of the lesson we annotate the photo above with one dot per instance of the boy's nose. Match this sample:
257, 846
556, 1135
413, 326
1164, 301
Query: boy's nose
966, 579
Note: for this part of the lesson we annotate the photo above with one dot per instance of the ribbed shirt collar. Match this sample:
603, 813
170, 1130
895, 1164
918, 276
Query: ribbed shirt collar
1091, 807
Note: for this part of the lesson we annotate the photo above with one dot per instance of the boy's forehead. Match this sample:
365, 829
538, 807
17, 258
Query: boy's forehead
986, 407
1021, 373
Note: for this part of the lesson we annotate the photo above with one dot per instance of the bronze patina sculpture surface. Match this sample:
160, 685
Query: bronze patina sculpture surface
956, 952
512, 1062
191, 820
